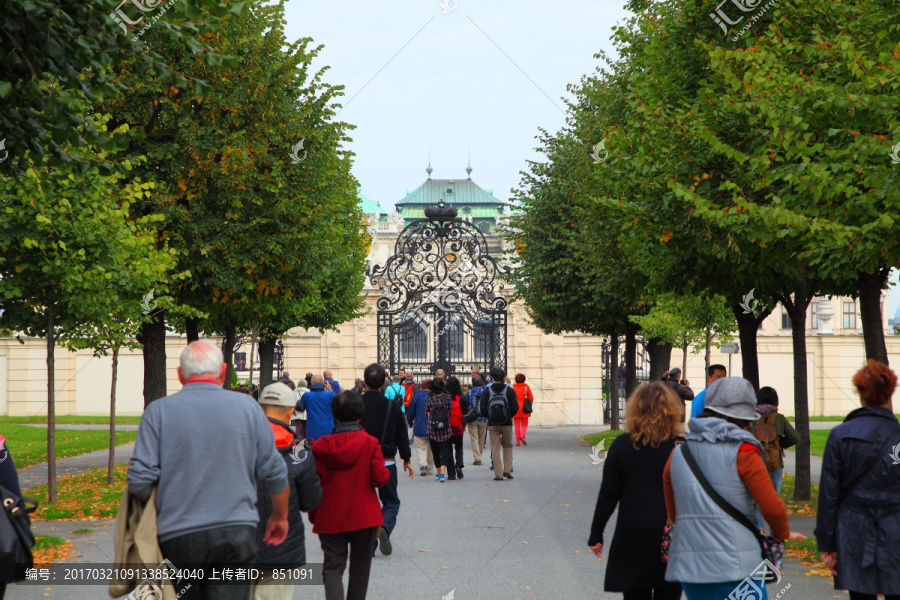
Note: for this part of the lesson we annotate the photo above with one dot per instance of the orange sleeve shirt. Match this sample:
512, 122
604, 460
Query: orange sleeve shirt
752, 471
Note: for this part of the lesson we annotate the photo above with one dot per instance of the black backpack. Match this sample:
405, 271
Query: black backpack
440, 415
498, 408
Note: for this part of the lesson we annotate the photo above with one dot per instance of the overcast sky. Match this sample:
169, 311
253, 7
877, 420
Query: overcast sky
450, 87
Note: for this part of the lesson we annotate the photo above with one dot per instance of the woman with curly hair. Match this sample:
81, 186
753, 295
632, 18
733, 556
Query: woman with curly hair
633, 479
858, 522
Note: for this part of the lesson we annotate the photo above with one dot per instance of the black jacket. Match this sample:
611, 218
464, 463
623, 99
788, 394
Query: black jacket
376, 415
306, 494
511, 399
864, 529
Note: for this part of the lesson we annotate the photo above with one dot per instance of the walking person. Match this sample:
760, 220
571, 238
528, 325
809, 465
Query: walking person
858, 521
418, 420
206, 483
477, 428
632, 480
437, 407
317, 404
723, 457
499, 404
458, 408
775, 433
298, 419
351, 465
384, 421
277, 562
525, 399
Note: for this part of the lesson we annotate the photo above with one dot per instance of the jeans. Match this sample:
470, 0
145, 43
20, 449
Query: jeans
226, 546
501, 437
776, 477
521, 428
457, 442
424, 456
334, 545
390, 500
443, 453
477, 431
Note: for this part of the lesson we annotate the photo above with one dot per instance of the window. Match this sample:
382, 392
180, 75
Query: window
814, 315
785, 319
850, 315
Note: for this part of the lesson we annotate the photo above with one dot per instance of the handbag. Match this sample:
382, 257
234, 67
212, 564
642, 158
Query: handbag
666, 542
527, 408
770, 549
16, 539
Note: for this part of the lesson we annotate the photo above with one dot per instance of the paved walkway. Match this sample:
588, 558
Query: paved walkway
524, 538
74, 465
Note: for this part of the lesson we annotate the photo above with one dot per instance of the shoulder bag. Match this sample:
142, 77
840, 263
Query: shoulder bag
770, 549
16, 539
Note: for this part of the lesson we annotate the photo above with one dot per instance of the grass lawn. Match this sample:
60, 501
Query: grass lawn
804, 508
817, 439
48, 548
82, 497
595, 438
28, 445
70, 420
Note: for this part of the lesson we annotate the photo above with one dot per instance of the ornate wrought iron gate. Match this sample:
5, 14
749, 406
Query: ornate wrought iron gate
642, 372
442, 305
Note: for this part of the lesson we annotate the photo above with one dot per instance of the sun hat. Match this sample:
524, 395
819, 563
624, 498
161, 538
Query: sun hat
732, 397
277, 394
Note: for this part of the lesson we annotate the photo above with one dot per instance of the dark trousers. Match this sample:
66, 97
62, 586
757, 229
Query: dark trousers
390, 500
861, 596
457, 442
669, 590
334, 545
443, 453
214, 549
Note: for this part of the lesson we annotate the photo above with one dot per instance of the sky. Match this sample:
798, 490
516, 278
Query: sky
482, 77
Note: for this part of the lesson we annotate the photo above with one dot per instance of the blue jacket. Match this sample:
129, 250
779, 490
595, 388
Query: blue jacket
415, 414
864, 529
698, 404
335, 386
473, 397
317, 404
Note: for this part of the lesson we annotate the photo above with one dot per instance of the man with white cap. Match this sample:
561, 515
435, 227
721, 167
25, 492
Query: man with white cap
277, 401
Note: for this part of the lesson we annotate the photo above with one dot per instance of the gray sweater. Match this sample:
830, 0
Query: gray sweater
205, 448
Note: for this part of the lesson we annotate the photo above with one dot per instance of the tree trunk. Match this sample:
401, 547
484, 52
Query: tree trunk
51, 408
153, 339
708, 356
266, 358
614, 381
660, 354
192, 329
252, 357
684, 349
111, 465
796, 307
228, 351
630, 357
748, 327
869, 286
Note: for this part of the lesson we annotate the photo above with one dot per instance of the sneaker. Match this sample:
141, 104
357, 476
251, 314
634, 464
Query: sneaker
437, 476
498, 479
459, 473
508, 475
442, 478
384, 542
477, 463
422, 472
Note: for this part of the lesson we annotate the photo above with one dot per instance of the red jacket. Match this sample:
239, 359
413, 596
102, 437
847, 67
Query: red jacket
350, 467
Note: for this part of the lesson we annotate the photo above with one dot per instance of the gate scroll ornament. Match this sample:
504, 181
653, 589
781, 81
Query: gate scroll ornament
442, 303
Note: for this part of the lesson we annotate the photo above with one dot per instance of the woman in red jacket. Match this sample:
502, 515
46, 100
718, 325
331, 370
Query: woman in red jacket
350, 465
523, 392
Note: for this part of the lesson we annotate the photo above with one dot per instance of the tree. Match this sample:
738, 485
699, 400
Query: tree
57, 58
254, 183
70, 257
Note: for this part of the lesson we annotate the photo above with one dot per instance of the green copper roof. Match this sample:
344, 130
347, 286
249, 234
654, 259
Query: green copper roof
459, 192
367, 205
